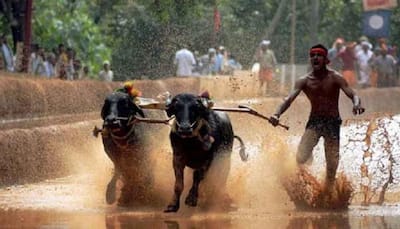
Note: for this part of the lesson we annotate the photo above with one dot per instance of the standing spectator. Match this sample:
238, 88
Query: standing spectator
39, 63
198, 66
33, 59
333, 54
7, 54
396, 56
50, 65
266, 57
69, 68
362, 39
364, 69
233, 65
220, 60
382, 43
385, 66
62, 62
184, 59
106, 74
84, 73
372, 63
208, 62
77, 67
349, 61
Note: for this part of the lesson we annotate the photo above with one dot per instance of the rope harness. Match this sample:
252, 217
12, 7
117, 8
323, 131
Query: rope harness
132, 120
197, 124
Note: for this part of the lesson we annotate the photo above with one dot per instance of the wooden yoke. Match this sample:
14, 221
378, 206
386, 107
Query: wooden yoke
247, 109
149, 103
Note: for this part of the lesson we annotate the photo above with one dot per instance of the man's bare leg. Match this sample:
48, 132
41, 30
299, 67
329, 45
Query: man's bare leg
332, 162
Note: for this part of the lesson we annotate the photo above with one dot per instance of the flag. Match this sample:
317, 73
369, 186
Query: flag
217, 20
379, 4
376, 23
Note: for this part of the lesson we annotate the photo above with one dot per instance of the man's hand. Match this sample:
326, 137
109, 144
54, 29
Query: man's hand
274, 120
357, 110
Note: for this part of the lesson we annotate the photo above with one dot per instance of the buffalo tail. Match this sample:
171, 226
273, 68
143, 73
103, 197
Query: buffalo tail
242, 151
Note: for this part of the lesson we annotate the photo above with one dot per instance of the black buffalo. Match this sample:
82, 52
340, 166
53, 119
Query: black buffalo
125, 143
194, 121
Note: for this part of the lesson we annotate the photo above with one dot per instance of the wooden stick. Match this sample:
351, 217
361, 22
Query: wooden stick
247, 109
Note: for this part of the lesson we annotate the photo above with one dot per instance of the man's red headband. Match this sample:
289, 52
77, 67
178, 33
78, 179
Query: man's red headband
319, 51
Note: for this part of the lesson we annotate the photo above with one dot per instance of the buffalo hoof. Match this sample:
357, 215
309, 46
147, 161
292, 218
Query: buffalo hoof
191, 200
110, 193
171, 208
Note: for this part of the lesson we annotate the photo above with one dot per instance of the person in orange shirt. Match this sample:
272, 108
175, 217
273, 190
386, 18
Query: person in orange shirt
374, 74
349, 62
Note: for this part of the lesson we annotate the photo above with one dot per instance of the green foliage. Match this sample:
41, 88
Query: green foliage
149, 36
70, 24
142, 36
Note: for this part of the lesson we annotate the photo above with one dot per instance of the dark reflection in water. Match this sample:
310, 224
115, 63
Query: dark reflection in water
146, 220
129, 222
172, 224
317, 222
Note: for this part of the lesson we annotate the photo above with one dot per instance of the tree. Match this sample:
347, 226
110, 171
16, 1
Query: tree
14, 18
71, 25
142, 36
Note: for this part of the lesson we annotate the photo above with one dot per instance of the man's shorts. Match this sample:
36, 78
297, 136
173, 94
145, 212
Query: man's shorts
328, 127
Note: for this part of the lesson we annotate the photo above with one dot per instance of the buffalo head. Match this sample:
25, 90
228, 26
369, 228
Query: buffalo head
188, 110
118, 110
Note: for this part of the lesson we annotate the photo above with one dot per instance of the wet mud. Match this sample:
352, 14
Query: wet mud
307, 192
65, 176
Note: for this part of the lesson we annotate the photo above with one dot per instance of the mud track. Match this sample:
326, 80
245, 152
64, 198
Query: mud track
50, 160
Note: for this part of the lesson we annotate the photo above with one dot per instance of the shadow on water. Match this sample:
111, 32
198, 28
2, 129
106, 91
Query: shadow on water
341, 221
127, 220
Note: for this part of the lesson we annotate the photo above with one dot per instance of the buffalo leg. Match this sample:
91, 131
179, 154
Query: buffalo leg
191, 199
178, 169
110, 192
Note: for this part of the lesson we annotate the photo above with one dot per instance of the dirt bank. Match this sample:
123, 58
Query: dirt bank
53, 147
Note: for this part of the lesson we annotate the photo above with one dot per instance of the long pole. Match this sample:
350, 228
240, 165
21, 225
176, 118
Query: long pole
314, 19
293, 41
27, 35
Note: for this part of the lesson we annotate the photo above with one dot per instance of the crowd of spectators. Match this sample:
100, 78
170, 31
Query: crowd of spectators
364, 64
361, 63
60, 62
217, 61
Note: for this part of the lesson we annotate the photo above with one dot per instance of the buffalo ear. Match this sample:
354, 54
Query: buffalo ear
105, 109
138, 110
203, 102
170, 107
170, 110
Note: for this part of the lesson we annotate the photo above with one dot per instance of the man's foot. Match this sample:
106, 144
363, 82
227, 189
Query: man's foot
330, 191
364, 203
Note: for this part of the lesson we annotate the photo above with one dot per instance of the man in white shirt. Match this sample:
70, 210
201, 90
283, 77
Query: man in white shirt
184, 59
363, 56
106, 74
7, 53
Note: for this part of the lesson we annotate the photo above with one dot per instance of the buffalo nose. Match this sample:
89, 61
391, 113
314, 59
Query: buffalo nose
112, 120
185, 128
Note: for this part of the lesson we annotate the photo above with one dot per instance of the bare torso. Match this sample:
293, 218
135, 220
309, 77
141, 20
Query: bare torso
323, 93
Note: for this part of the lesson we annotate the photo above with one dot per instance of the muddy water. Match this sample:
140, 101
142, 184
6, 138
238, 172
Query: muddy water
77, 201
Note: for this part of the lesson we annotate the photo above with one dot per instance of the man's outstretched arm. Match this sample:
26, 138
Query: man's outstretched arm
357, 108
274, 120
